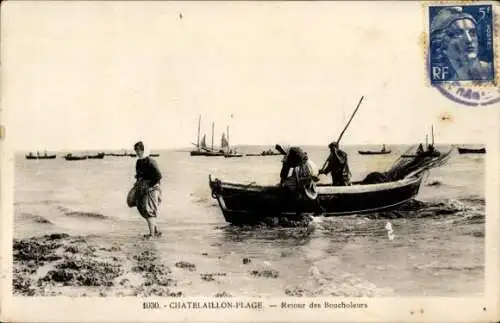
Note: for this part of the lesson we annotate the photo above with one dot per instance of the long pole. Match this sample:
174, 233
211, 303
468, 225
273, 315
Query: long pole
199, 124
213, 126
432, 132
349, 122
227, 131
347, 125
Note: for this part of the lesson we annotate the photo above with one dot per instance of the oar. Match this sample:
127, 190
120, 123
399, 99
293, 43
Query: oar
347, 125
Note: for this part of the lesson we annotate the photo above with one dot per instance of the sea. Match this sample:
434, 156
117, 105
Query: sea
435, 251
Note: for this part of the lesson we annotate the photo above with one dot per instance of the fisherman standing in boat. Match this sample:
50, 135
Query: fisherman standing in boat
147, 197
337, 165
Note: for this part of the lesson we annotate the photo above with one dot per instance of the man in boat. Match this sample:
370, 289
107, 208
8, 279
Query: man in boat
299, 187
337, 165
148, 191
420, 150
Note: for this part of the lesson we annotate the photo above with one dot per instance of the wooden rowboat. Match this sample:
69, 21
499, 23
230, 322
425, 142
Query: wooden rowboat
97, 156
251, 203
369, 152
382, 151
247, 204
31, 156
471, 150
70, 157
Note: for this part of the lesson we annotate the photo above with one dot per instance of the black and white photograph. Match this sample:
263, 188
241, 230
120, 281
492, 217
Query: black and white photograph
274, 157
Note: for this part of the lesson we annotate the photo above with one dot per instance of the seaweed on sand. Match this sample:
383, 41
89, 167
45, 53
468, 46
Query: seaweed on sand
39, 251
185, 265
77, 271
267, 273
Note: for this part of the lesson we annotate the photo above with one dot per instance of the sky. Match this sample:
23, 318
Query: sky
102, 75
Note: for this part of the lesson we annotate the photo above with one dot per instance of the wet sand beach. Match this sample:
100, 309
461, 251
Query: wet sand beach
74, 235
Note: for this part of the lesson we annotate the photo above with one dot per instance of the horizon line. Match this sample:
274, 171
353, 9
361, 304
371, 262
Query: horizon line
188, 148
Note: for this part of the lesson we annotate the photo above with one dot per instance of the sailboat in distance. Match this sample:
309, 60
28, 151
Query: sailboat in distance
228, 152
201, 145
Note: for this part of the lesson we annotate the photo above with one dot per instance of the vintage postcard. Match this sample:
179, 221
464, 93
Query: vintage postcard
249, 161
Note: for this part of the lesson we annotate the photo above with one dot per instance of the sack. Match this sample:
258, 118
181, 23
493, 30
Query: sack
132, 197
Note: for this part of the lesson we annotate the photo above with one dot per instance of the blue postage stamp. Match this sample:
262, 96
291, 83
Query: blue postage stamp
461, 43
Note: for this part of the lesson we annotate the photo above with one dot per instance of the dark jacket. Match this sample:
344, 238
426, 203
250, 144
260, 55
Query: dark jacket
147, 169
338, 166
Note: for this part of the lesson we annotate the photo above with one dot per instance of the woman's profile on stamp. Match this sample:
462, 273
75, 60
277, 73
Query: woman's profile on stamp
455, 46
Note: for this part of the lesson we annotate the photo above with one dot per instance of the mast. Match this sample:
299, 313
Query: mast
432, 132
426, 140
227, 132
213, 126
199, 123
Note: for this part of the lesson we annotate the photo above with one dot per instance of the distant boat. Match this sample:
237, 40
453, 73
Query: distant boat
462, 150
268, 152
71, 157
38, 156
201, 146
383, 151
122, 154
229, 153
233, 155
429, 151
150, 155
98, 156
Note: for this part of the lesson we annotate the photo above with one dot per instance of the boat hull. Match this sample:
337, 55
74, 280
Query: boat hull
362, 152
98, 156
247, 204
41, 157
206, 153
471, 151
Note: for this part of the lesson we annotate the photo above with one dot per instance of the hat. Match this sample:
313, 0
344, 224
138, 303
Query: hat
333, 144
447, 16
282, 148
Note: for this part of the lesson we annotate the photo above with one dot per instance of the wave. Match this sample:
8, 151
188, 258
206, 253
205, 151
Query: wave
69, 212
434, 267
277, 235
36, 218
325, 283
418, 209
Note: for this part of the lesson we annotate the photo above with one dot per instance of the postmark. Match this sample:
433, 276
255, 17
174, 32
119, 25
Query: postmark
461, 53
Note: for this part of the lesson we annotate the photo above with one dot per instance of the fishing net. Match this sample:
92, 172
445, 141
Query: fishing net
411, 162
414, 162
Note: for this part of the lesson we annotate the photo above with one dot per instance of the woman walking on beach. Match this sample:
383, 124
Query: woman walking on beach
147, 196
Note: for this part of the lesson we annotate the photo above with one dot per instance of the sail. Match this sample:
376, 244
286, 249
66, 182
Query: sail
223, 142
203, 143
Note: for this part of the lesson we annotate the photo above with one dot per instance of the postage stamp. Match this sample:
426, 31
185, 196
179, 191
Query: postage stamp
160, 161
461, 46
461, 53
